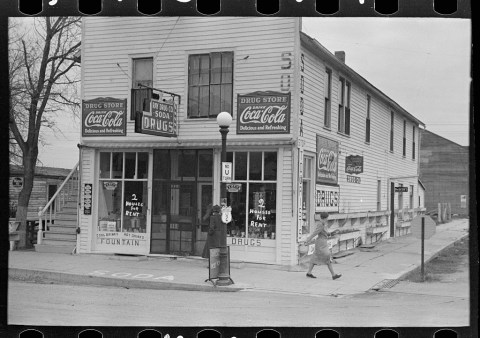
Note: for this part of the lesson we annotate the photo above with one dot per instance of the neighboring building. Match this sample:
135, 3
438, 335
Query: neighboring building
45, 184
308, 135
444, 171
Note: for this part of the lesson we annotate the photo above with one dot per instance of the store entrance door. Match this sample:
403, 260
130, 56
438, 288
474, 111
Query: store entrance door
173, 218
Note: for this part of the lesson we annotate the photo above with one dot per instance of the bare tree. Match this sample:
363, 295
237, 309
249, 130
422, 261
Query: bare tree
43, 76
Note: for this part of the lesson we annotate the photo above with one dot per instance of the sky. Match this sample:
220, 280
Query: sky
423, 64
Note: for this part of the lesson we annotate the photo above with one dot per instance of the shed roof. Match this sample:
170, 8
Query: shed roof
17, 170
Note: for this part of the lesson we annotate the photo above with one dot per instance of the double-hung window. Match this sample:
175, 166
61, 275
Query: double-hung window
344, 107
328, 99
391, 129
413, 143
210, 84
142, 82
367, 121
404, 138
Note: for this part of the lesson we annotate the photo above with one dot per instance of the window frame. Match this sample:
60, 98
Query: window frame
344, 106
404, 138
368, 119
147, 93
413, 143
392, 125
327, 110
211, 113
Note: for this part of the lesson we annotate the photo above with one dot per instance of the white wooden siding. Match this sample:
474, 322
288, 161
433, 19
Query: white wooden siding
115, 40
379, 162
86, 221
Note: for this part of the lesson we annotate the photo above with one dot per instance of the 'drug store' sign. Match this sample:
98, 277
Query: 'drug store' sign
104, 116
263, 113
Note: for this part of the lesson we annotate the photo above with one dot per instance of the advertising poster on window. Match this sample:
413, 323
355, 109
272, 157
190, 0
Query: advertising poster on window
263, 113
327, 198
327, 161
161, 120
104, 116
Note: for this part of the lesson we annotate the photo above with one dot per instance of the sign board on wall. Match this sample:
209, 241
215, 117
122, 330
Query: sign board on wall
401, 189
17, 183
87, 199
104, 116
354, 164
263, 113
161, 120
327, 198
327, 161
463, 201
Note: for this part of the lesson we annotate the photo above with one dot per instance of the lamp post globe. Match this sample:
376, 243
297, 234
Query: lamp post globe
224, 119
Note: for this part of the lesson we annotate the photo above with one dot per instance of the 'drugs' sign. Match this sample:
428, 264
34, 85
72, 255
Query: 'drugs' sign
263, 113
161, 120
104, 116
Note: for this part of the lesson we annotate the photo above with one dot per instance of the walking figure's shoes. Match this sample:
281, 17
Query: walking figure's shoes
310, 275
337, 276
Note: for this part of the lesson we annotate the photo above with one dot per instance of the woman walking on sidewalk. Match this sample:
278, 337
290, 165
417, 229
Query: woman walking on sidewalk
322, 252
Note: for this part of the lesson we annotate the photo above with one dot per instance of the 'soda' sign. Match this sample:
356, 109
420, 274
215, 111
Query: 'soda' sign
161, 120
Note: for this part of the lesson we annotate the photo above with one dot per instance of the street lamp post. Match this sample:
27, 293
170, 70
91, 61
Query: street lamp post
224, 120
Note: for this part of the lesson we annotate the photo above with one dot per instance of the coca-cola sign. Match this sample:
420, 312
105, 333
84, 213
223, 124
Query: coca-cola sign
263, 113
327, 160
354, 164
104, 116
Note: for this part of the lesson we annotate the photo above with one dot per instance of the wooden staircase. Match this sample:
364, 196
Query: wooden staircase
60, 236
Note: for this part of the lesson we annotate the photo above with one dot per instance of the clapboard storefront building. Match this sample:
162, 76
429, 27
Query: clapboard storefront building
308, 135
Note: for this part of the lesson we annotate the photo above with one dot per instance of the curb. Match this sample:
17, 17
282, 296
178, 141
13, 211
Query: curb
39, 276
435, 255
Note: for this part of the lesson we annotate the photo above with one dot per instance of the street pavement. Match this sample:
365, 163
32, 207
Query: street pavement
363, 269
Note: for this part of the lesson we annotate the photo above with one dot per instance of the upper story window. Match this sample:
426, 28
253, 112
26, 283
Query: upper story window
210, 84
367, 121
392, 117
328, 99
142, 81
413, 143
344, 107
404, 138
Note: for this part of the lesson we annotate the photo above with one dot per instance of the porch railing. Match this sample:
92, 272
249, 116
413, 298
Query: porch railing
62, 196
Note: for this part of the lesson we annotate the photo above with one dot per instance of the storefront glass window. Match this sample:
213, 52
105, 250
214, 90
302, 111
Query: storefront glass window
105, 165
130, 165
161, 165
255, 166
253, 200
123, 197
240, 166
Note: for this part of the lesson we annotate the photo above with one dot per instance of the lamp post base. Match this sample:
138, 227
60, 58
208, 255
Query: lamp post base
224, 269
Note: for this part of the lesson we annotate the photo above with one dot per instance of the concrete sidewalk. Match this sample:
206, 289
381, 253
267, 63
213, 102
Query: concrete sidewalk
361, 271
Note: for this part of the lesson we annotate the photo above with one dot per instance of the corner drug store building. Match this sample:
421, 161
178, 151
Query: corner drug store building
308, 135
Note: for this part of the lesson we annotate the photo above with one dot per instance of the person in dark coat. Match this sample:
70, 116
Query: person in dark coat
322, 252
214, 231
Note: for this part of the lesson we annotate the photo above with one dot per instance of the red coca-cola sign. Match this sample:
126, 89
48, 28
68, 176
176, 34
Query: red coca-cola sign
104, 116
263, 113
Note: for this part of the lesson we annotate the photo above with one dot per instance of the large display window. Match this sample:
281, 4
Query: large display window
122, 200
253, 195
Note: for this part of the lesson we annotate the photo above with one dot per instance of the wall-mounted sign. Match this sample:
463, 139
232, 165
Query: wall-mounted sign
238, 241
17, 183
327, 161
401, 189
463, 201
353, 179
104, 116
327, 198
227, 169
263, 113
87, 199
234, 187
354, 164
161, 120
